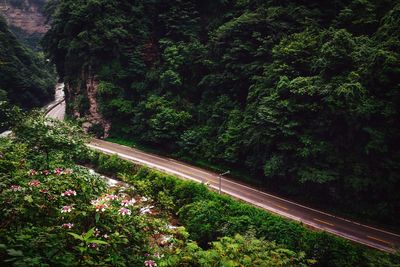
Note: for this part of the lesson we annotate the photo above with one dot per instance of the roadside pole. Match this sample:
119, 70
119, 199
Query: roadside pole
220, 180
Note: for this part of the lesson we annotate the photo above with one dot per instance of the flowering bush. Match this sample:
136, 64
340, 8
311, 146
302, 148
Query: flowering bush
69, 216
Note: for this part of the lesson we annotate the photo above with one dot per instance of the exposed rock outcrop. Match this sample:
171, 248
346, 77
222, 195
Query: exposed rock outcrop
87, 90
27, 16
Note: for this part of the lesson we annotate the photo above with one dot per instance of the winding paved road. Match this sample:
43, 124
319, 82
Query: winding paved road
363, 234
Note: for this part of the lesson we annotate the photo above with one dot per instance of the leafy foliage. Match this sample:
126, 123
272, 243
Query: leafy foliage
209, 216
302, 95
52, 138
69, 216
24, 75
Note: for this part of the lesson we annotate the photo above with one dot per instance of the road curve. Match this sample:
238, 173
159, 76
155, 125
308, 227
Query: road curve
359, 233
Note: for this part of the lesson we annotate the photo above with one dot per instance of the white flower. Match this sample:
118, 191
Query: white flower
66, 209
127, 202
125, 211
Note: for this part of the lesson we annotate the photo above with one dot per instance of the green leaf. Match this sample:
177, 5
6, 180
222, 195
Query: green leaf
15, 253
89, 234
77, 236
96, 241
28, 198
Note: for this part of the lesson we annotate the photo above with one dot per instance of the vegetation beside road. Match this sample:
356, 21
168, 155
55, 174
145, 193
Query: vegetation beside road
55, 213
303, 95
208, 216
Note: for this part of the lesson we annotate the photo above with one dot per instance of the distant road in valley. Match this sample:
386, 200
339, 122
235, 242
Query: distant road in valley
363, 234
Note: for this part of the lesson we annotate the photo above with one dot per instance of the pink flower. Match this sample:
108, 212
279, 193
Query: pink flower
67, 209
68, 193
32, 172
124, 211
58, 171
34, 183
45, 172
127, 202
16, 188
92, 245
105, 236
112, 197
150, 263
68, 225
43, 191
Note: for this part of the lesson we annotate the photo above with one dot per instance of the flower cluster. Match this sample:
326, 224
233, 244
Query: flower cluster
128, 202
124, 211
150, 263
60, 171
16, 188
103, 203
68, 193
68, 225
111, 197
57, 171
100, 204
66, 209
34, 183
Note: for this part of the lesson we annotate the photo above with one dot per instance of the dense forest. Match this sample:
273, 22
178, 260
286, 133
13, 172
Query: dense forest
302, 95
26, 79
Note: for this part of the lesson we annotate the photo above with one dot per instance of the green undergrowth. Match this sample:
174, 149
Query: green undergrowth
208, 216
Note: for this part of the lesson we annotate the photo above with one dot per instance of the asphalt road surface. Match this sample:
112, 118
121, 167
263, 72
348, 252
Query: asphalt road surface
56, 109
363, 234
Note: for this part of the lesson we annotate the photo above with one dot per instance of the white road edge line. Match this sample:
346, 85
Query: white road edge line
264, 193
282, 199
144, 162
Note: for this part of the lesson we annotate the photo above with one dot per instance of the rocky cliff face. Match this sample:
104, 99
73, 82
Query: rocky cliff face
26, 20
86, 90
26, 15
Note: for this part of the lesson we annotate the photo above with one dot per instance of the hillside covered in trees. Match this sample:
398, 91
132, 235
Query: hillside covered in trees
302, 95
26, 80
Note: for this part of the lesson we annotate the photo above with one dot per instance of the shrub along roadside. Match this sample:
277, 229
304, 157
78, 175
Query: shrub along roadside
208, 216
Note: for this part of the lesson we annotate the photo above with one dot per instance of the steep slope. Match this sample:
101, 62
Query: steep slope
25, 78
26, 19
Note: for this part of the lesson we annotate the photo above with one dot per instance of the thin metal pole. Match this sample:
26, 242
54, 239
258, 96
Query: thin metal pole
219, 177
220, 180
